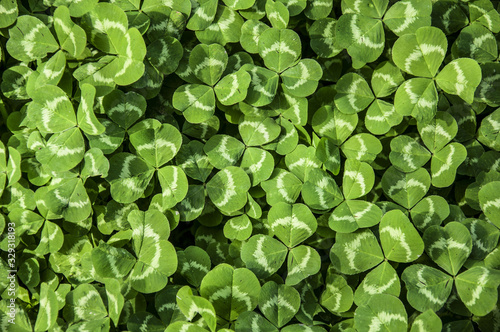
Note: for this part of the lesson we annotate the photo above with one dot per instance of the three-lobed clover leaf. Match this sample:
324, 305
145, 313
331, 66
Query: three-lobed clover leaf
209, 156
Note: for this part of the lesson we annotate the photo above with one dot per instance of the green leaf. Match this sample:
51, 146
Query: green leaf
292, 224
165, 54
329, 155
71, 36
63, 151
382, 310
355, 252
323, 37
99, 74
263, 255
258, 164
330, 122
225, 28
111, 262
277, 13
202, 16
406, 189
196, 101
449, 246
114, 295
385, 79
124, 108
192, 205
431, 210
233, 88
381, 280
87, 120
283, 186
156, 257
438, 132
302, 79
157, 146
227, 189
279, 48
444, 164
191, 305
94, 164
362, 147
428, 288
9, 13
354, 214
279, 303
52, 110
489, 199
476, 42
110, 140
489, 133
381, 117
407, 155
250, 35
194, 264
422, 53
51, 239
303, 261
337, 296
238, 228
174, 184
400, 240
14, 82
358, 179
428, 321
250, 321
47, 314
362, 36
50, 72
193, 161
223, 150
208, 62
263, 85
320, 191
84, 303
353, 94
257, 131
128, 176
231, 291
460, 77
484, 13
406, 17
371, 8
417, 97
70, 199
477, 288
301, 160
30, 39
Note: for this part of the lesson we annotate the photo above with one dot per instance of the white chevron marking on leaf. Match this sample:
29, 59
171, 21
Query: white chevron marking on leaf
260, 256
398, 235
384, 318
281, 188
356, 31
372, 290
402, 184
230, 189
410, 16
351, 248
279, 47
447, 165
421, 284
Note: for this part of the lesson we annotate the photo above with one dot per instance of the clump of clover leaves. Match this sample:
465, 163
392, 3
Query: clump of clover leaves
250, 165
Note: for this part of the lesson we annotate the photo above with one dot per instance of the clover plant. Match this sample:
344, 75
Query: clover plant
249, 165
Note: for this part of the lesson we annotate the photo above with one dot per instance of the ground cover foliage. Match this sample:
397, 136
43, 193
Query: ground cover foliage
250, 165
